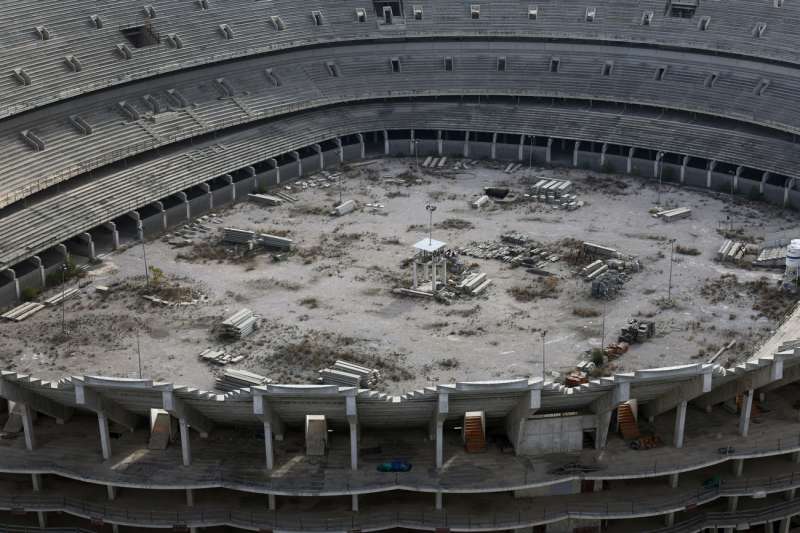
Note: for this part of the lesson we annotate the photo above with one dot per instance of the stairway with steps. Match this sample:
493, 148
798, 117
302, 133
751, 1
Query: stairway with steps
627, 422
474, 432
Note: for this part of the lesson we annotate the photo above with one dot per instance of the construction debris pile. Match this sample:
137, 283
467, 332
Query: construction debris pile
609, 272
232, 380
219, 357
772, 255
671, 215
239, 325
347, 374
557, 193
735, 251
323, 180
271, 200
251, 239
184, 235
637, 331
516, 249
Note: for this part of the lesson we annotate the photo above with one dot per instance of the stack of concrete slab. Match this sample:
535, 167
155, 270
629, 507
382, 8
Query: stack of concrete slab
21, 312
733, 251
474, 283
598, 250
593, 270
772, 255
344, 208
219, 357
273, 241
286, 197
670, 215
551, 190
238, 236
316, 435
266, 199
61, 296
239, 325
341, 378
239, 379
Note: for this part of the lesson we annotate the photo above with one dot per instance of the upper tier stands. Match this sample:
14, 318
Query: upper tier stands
202, 104
76, 46
91, 202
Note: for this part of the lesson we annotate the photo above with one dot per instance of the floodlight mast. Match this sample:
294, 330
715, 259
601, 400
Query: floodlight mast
430, 208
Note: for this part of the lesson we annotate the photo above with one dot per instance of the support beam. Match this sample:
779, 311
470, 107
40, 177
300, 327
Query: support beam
189, 497
105, 436
207, 189
709, 170
41, 517
340, 149
629, 164
184, 199
680, 424
317, 148
521, 148
733, 504
673, 480
36, 480
738, 467
277, 167
764, 178
516, 420
12, 390
112, 228
438, 501
86, 238
575, 153
273, 426
385, 142
362, 144
162, 212
754, 379
182, 410
271, 502
94, 401
186, 445
137, 219
656, 162
744, 415
788, 186
669, 519
684, 165
736, 177
354, 500
603, 151
111, 491
437, 426
352, 420
12, 276
494, 145
685, 391
299, 160
466, 144
229, 180
548, 156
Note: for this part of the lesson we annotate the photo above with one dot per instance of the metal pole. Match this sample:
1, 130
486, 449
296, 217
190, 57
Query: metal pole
339, 183
530, 155
416, 153
144, 256
63, 291
544, 360
603, 340
139, 353
660, 172
671, 253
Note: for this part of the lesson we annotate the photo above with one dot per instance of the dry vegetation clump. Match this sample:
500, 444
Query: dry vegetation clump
547, 287
454, 223
585, 312
686, 250
606, 184
768, 299
203, 252
301, 210
737, 234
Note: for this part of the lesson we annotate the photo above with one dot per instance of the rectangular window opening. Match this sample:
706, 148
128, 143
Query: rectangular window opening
141, 36
555, 63
501, 64
395, 62
448, 64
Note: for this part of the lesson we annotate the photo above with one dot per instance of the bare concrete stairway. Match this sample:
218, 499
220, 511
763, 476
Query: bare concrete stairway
474, 432
627, 422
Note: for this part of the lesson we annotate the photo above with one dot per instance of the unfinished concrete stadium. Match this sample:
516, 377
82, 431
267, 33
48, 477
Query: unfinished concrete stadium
371, 265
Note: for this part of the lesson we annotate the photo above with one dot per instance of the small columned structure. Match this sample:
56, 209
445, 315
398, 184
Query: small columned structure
429, 255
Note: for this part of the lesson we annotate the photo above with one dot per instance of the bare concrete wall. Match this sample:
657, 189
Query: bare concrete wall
552, 435
223, 196
176, 215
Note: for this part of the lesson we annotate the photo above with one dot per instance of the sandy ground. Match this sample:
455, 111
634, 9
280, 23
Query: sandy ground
332, 297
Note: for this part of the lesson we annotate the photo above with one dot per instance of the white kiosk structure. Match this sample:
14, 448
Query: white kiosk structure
429, 254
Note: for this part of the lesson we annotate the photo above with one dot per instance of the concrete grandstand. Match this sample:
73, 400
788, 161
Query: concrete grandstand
120, 122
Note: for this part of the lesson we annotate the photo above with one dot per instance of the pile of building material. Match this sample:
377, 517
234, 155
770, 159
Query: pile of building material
514, 248
576, 378
56, 299
21, 312
434, 162
239, 236
512, 167
344, 208
556, 192
590, 249
323, 180
239, 379
608, 284
670, 215
168, 303
347, 374
273, 241
772, 255
286, 197
637, 331
474, 283
616, 349
734, 251
239, 325
266, 199
219, 357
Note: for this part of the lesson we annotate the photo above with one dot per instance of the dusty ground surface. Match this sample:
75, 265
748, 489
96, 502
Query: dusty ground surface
332, 297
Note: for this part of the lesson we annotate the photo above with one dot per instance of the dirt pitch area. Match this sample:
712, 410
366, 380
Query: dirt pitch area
332, 296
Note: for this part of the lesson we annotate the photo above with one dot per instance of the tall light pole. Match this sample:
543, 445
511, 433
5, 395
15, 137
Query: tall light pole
63, 293
144, 257
660, 173
671, 254
416, 152
430, 208
530, 155
339, 186
603, 339
139, 352
544, 360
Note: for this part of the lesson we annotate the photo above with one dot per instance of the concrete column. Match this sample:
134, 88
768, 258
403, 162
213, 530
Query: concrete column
684, 164
363, 145
268, 445
274, 162
41, 516
656, 161
183, 197
340, 149
438, 500
549, 153
272, 502
87, 238
229, 180
296, 156
189, 498
736, 177
105, 436
26, 413
603, 151
494, 145
252, 174
673, 480
601, 432
385, 142
112, 227
160, 207
629, 166
186, 446
318, 149
355, 503
711, 166
36, 480
10, 274
139, 227
354, 445
744, 415
114, 528
414, 274
787, 187
111, 491
466, 144
764, 178
784, 525
207, 188
733, 503
575, 153
680, 424
411, 147
790, 494
738, 467
598, 485
669, 519
439, 444
439, 142
795, 457
40, 266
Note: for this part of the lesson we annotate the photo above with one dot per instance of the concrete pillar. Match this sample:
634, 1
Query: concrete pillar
111, 491
790, 494
268, 445
789, 185
414, 275
738, 467
438, 500
10, 274
272, 502
276, 166
114, 528
186, 446
784, 525
764, 178
521, 148
494, 145
603, 151
548, 157
184, 198
354, 445
736, 177
575, 153
229, 180
355, 502
744, 415
139, 227
439, 444
362, 145
26, 413
40, 267
41, 516
385, 142
411, 144
87, 238
733, 503
598, 485
318, 149
112, 227
36, 480
439, 142
669, 519
466, 144
189, 498
340, 149
629, 165
601, 432
296, 156
656, 161
795, 457
105, 436
684, 164
709, 169
207, 189
160, 207
251, 171
673, 481
680, 424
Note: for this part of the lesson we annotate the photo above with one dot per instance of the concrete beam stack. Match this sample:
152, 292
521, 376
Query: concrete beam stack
240, 324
